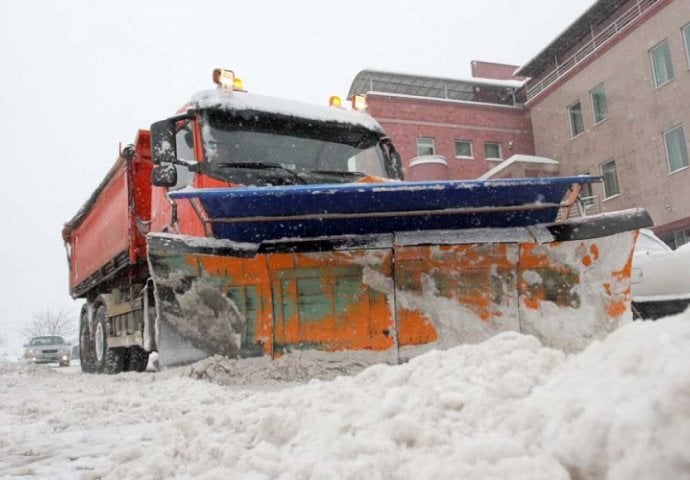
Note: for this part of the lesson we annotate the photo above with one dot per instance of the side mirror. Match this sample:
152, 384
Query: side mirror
25, 345
164, 175
163, 144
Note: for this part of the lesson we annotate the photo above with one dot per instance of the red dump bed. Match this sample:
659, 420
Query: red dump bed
108, 234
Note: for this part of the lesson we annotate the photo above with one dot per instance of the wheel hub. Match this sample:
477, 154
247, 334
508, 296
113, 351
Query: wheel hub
98, 342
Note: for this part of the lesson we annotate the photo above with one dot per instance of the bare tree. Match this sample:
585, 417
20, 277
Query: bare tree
48, 322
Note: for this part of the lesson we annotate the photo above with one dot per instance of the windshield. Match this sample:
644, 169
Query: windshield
252, 148
37, 341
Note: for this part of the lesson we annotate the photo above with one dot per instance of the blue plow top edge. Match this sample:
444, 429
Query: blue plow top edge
255, 214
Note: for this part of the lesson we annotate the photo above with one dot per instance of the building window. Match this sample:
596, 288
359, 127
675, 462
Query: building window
577, 125
599, 106
492, 151
686, 37
608, 171
661, 63
425, 146
463, 149
681, 238
676, 148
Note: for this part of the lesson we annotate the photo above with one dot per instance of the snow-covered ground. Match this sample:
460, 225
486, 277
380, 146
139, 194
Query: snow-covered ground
506, 408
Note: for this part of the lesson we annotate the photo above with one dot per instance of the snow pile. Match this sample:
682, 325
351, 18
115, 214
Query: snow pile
619, 410
506, 408
296, 367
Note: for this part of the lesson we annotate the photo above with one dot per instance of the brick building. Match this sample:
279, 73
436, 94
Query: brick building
474, 123
610, 96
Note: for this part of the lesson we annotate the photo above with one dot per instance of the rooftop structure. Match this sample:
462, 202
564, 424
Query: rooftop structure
479, 90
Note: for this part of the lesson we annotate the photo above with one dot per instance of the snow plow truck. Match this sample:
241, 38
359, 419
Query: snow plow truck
247, 225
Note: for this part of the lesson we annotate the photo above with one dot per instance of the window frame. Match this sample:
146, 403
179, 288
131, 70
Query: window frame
570, 119
685, 33
594, 109
663, 43
685, 234
432, 142
608, 196
500, 152
680, 127
455, 145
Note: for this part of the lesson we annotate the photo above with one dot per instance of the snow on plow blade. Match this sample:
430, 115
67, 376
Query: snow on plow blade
393, 294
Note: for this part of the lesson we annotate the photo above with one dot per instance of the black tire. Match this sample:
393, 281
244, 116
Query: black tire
87, 356
100, 339
137, 359
657, 310
115, 360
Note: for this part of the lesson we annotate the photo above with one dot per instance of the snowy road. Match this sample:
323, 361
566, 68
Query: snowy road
507, 408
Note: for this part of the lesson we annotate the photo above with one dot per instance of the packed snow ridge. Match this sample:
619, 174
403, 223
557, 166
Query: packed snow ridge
505, 408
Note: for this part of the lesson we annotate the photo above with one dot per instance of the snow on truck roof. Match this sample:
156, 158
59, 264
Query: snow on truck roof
233, 100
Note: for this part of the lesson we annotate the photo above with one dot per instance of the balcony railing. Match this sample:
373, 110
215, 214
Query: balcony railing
597, 41
585, 206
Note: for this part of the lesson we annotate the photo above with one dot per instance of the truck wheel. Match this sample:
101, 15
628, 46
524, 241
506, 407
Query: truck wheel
115, 360
87, 357
100, 339
138, 359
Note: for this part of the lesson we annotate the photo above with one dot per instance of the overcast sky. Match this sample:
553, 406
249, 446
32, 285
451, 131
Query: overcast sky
79, 77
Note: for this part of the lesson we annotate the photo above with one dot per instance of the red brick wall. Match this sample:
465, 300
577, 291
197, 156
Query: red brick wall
407, 118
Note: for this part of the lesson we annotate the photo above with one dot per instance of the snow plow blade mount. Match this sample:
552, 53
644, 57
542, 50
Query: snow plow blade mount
389, 296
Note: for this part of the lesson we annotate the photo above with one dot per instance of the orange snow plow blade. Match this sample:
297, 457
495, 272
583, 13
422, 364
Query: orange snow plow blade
391, 297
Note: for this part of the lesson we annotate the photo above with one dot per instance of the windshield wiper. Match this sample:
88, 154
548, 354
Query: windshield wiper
340, 173
262, 166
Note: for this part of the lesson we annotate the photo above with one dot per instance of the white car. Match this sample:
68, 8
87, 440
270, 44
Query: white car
48, 349
660, 277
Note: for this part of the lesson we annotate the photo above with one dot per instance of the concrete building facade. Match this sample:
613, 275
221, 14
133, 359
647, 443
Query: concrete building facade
611, 97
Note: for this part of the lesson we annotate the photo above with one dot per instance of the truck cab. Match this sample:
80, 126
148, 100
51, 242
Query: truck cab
228, 137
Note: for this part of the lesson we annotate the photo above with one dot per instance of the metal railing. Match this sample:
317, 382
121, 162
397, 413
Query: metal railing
588, 206
584, 207
596, 42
